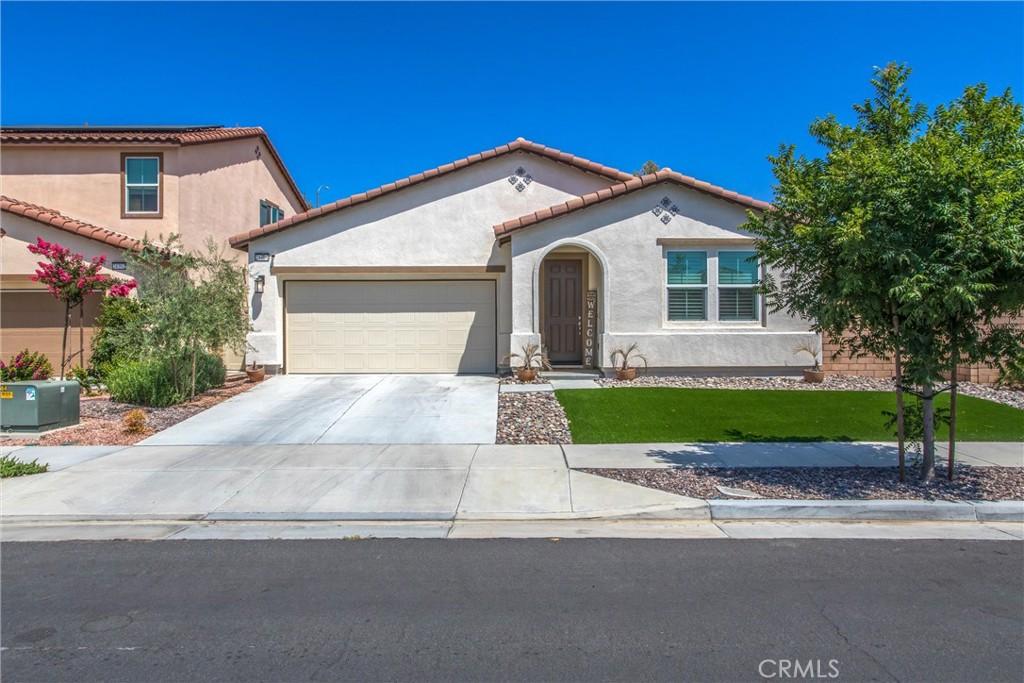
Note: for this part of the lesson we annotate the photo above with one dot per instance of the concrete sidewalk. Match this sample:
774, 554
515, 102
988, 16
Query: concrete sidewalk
337, 482
442, 483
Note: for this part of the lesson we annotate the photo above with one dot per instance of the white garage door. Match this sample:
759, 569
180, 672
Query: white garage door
422, 326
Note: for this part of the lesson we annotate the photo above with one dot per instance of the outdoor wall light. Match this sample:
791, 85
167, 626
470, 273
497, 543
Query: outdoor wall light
260, 281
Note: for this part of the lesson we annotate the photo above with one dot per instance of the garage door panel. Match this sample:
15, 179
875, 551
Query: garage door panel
436, 326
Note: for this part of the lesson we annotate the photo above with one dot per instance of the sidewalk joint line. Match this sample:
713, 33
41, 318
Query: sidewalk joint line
465, 484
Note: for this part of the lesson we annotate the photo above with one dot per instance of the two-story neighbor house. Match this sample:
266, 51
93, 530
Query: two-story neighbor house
101, 189
451, 269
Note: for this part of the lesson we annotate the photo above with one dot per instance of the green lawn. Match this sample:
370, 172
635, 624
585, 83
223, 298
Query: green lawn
646, 415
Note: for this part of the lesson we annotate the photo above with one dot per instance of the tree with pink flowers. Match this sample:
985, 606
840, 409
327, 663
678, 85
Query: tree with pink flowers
69, 277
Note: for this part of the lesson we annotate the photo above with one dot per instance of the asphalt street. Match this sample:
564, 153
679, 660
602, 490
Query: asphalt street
537, 610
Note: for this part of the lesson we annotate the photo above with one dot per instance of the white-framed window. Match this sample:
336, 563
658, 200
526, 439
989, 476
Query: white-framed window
269, 212
738, 277
712, 285
687, 285
141, 184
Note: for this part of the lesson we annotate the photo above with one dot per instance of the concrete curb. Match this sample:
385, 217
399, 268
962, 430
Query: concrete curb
868, 510
713, 510
999, 510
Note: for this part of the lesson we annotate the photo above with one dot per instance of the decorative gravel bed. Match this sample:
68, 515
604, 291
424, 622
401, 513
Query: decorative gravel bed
1010, 397
531, 417
101, 420
830, 483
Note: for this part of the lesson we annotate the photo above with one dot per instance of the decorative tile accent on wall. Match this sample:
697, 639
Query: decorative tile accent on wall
521, 180
665, 210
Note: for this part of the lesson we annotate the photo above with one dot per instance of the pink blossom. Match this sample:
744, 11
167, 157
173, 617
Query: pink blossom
123, 289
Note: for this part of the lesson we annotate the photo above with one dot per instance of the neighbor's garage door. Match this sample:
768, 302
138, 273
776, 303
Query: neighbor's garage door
35, 321
422, 326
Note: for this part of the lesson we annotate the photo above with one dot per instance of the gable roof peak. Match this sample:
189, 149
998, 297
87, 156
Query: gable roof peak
240, 240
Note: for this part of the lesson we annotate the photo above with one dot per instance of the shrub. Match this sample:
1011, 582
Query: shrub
119, 333
12, 467
158, 382
134, 421
24, 366
87, 379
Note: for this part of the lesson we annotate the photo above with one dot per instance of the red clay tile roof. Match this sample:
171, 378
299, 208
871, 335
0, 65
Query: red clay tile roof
637, 183
519, 145
61, 222
154, 135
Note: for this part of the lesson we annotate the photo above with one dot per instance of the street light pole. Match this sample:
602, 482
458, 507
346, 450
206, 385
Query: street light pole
322, 187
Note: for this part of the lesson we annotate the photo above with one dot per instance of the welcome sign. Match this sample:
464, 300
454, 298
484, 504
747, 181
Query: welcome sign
590, 329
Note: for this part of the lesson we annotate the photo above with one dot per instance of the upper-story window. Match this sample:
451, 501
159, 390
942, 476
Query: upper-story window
142, 174
712, 285
270, 213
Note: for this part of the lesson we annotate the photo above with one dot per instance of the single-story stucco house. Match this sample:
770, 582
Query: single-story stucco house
451, 269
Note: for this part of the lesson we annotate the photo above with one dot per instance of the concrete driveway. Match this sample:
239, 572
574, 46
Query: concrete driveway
348, 409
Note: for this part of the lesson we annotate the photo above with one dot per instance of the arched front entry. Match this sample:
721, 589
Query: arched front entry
569, 303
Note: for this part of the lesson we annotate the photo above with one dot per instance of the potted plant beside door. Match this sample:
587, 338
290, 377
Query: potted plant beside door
532, 359
624, 360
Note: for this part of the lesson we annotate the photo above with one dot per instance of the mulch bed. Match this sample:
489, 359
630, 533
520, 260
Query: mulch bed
101, 419
531, 417
830, 483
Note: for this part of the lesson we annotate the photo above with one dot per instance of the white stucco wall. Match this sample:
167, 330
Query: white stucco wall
623, 236
447, 221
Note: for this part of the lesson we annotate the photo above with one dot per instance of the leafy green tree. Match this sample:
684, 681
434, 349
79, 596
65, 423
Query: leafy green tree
191, 303
648, 168
906, 240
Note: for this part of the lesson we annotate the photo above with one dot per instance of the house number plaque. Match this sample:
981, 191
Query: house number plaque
590, 329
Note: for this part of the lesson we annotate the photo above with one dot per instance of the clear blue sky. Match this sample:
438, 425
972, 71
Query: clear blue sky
358, 95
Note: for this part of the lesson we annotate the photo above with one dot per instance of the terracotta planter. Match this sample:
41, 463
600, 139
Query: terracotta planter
625, 374
256, 374
526, 374
814, 376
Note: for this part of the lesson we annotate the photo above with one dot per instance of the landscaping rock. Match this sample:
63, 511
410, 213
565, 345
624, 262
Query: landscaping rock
829, 483
531, 417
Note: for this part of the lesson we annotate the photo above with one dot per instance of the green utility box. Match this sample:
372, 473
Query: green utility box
38, 406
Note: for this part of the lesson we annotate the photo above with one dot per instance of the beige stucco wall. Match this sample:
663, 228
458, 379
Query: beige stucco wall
210, 190
221, 186
84, 182
623, 237
444, 222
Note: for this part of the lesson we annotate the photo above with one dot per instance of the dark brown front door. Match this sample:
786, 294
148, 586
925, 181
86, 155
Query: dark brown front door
563, 310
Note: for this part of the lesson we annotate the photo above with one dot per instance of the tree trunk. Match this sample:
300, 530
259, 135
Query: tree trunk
953, 389
193, 393
928, 437
81, 333
901, 436
64, 339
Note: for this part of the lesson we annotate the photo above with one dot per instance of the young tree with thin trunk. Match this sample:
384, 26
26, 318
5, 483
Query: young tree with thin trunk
70, 278
906, 240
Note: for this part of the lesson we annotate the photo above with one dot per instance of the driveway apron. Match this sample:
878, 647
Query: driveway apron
348, 409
